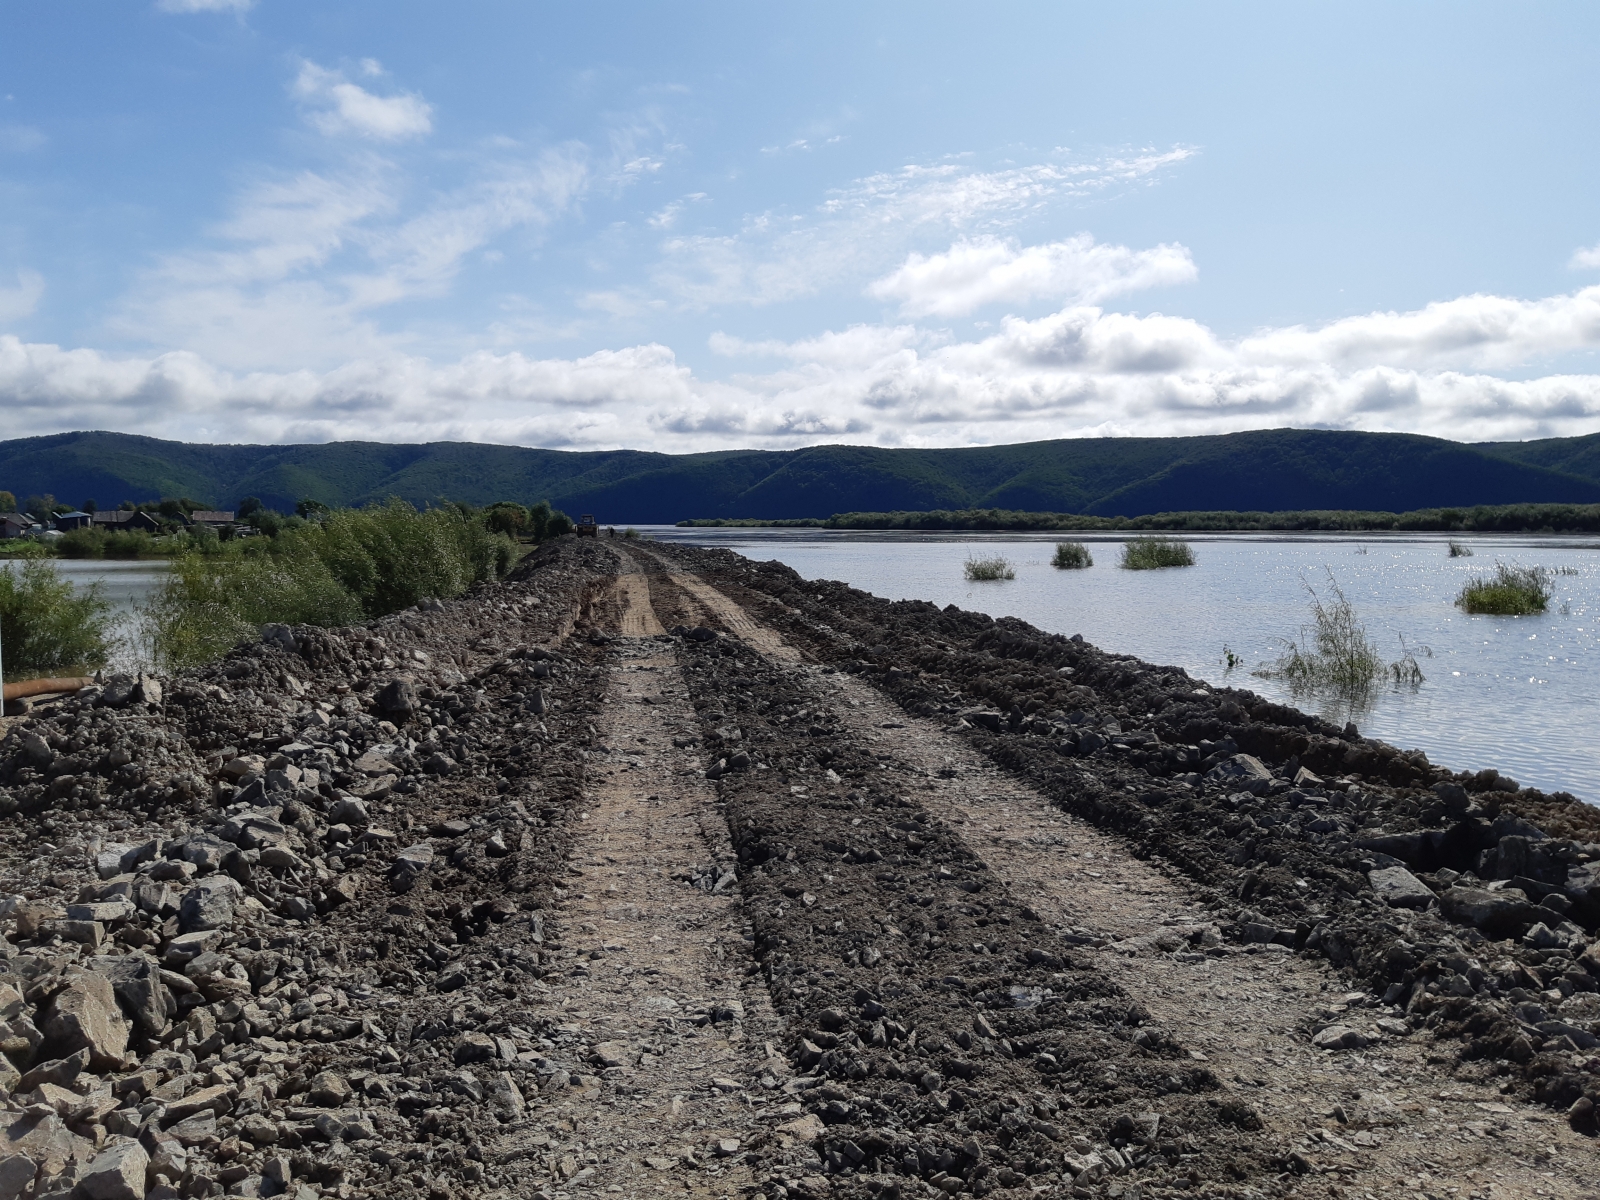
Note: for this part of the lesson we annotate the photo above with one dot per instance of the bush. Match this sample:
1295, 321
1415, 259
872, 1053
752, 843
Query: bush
129, 543
48, 627
987, 569
1459, 549
1509, 592
1150, 553
1338, 656
1071, 556
82, 543
353, 564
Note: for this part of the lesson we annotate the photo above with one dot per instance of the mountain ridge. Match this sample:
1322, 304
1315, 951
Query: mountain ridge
1259, 470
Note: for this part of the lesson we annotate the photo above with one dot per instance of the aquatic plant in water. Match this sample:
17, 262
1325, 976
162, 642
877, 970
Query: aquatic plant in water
1459, 549
1509, 592
1150, 553
981, 570
1071, 556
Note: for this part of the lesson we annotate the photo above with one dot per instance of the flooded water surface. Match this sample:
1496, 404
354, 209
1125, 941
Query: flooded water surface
1520, 694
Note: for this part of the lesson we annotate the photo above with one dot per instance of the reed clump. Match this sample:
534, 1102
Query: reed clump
984, 570
1459, 549
1071, 556
1509, 592
1333, 653
1152, 553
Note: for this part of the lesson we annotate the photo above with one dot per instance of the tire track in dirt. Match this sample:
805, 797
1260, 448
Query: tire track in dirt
653, 982
1379, 1122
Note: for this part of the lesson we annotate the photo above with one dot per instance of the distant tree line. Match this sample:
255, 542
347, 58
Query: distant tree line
1504, 518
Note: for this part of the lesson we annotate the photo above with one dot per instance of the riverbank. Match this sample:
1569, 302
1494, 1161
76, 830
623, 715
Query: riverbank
657, 864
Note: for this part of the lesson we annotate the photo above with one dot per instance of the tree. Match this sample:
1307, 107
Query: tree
8, 502
91, 507
250, 504
507, 517
311, 509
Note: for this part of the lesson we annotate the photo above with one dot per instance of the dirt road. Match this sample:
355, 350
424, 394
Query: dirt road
569, 904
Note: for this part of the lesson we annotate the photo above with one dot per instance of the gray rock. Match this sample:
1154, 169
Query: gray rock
1339, 1037
60, 1071
136, 982
349, 811
439, 764
206, 851
398, 697
329, 1090
473, 1048
1498, 911
1241, 772
1399, 888
409, 866
210, 904
116, 1173
1454, 796
84, 1015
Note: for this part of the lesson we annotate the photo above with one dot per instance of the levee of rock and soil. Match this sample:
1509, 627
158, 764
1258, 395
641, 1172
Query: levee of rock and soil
658, 870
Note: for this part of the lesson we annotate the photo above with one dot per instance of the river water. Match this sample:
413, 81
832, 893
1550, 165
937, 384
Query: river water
1521, 694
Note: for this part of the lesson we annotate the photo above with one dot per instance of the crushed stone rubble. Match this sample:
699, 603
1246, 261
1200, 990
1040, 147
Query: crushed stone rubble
277, 926
443, 905
1466, 904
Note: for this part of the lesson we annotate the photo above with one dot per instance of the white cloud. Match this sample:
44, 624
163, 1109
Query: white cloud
985, 270
1078, 372
860, 230
1587, 259
194, 6
20, 301
300, 269
338, 106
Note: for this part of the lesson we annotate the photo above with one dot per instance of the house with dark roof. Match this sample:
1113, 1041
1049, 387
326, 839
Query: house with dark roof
216, 520
67, 522
16, 525
120, 519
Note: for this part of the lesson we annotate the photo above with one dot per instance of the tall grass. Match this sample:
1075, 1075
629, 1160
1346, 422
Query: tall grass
980, 570
1509, 592
1334, 653
1150, 553
47, 626
349, 565
1071, 556
1459, 549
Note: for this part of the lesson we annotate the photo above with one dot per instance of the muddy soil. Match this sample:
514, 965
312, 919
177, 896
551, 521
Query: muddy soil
661, 871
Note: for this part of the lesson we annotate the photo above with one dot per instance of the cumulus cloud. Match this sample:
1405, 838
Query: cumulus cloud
1587, 259
976, 272
1081, 371
336, 106
19, 300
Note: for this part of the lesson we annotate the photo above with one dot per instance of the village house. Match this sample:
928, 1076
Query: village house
216, 520
120, 519
68, 521
16, 525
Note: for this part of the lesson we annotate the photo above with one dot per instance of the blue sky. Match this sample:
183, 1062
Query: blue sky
713, 225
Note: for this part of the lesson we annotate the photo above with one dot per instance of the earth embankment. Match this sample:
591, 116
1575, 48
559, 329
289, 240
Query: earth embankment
660, 870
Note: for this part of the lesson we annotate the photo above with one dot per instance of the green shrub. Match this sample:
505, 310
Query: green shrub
630, 533
987, 569
1150, 553
1338, 655
1459, 549
48, 627
128, 543
1071, 556
349, 565
1509, 592
82, 543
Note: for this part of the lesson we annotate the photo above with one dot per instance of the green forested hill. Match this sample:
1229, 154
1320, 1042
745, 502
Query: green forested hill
1264, 470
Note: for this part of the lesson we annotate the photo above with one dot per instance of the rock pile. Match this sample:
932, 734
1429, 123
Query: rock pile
270, 927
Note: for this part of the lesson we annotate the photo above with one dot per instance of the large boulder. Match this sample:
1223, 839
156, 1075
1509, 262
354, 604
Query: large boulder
136, 981
1498, 911
84, 1015
1398, 887
116, 1173
398, 697
1241, 772
210, 904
